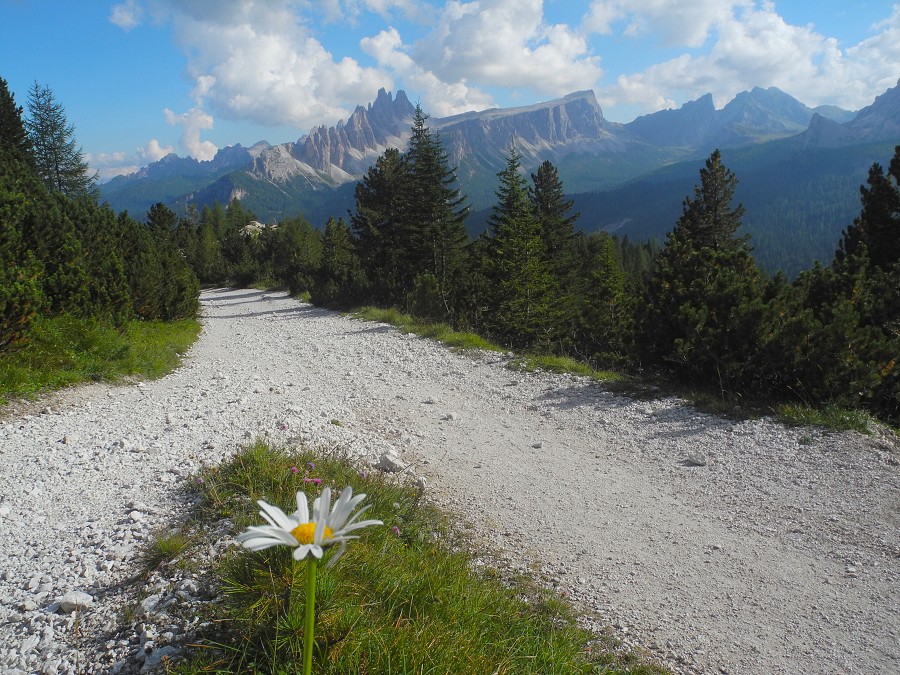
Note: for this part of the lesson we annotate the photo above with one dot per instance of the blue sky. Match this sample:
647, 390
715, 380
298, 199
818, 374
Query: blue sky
140, 78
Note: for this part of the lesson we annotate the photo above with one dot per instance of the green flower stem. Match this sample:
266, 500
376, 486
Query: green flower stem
310, 615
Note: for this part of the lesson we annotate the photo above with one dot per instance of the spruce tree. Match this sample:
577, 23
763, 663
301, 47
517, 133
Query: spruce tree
704, 303
380, 225
14, 140
604, 321
60, 162
523, 291
557, 223
20, 272
436, 211
340, 281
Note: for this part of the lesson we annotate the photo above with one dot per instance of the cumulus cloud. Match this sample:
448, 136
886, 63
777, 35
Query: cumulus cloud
153, 151
192, 123
438, 97
256, 60
126, 15
746, 44
506, 44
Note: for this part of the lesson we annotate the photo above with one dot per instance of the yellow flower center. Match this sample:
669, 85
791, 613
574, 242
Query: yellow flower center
305, 533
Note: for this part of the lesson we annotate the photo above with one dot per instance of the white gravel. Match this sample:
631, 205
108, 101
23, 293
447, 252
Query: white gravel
717, 546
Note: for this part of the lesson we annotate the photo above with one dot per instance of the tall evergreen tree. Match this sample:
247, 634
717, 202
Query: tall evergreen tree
60, 162
704, 304
380, 225
436, 211
557, 222
340, 281
875, 234
14, 139
604, 322
522, 294
20, 271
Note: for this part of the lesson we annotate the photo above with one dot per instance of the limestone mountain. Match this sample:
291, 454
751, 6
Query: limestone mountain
629, 178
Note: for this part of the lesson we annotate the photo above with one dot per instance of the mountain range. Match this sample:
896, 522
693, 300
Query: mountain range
799, 168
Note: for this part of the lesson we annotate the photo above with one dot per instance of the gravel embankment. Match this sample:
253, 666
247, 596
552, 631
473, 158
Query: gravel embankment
718, 546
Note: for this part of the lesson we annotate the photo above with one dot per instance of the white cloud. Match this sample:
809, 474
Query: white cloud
749, 45
153, 151
112, 164
439, 98
127, 15
256, 60
504, 44
192, 123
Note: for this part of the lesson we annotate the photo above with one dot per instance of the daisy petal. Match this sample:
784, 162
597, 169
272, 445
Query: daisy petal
276, 516
301, 515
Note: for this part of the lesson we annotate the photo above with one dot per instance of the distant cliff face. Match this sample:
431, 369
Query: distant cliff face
543, 131
344, 152
591, 152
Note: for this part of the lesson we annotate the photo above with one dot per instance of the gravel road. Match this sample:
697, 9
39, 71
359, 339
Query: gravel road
715, 545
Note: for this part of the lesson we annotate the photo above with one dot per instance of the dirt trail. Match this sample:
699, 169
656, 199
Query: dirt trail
720, 546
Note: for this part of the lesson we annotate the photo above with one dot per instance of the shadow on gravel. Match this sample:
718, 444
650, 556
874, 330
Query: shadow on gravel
569, 398
304, 311
233, 294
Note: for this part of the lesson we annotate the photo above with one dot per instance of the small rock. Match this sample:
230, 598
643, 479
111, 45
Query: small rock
75, 600
389, 462
695, 459
449, 417
148, 604
538, 445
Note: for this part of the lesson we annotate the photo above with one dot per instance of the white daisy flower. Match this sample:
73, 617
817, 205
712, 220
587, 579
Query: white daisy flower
305, 534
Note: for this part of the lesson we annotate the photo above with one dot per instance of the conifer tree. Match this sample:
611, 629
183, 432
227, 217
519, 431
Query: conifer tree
59, 161
14, 139
436, 211
380, 226
522, 293
604, 323
557, 223
704, 303
20, 271
340, 281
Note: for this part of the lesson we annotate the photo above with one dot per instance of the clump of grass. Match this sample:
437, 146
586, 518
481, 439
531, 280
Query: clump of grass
830, 417
441, 332
165, 547
66, 350
403, 599
562, 364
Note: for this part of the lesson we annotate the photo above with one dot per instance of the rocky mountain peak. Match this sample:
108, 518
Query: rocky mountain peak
882, 118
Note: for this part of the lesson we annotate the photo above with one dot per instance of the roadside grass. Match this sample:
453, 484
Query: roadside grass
438, 331
564, 365
404, 598
66, 350
830, 417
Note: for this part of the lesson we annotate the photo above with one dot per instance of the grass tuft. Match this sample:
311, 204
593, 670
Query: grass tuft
165, 547
562, 364
830, 417
404, 598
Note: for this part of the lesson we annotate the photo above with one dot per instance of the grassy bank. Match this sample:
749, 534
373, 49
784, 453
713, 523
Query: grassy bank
66, 350
829, 417
404, 598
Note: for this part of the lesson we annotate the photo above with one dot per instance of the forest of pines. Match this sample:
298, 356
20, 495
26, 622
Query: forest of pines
695, 310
